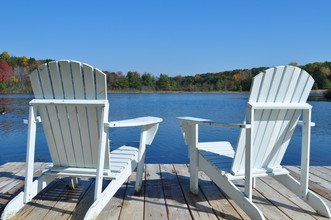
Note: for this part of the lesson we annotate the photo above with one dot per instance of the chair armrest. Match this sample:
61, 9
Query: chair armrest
141, 121
190, 130
193, 119
149, 126
201, 121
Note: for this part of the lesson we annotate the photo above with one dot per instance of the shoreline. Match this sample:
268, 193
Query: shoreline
319, 91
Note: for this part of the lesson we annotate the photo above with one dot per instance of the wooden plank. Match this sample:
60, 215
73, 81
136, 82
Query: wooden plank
56, 80
75, 135
263, 203
166, 196
77, 79
223, 206
281, 189
84, 203
68, 200
113, 209
155, 206
289, 208
62, 113
321, 172
94, 134
101, 85
45, 81
316, 184
89, 81
18, 178
15, 184
175, 200
85, 130
39, 207
66, 79
9, 173
199, 206
35, 84
133, 205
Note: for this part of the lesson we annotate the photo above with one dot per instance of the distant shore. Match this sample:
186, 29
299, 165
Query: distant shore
319, 91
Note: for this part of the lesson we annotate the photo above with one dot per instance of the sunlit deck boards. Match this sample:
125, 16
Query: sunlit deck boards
165, 195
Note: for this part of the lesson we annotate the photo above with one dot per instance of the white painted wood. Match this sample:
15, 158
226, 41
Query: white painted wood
43, 111
35, 84
101, 154
248, 161
77, 78
13, 207
101, 84
30, 149
141, 157
231, 190
135, 122
55, 129
278, 98
62, 112
310, 198
66, 77
109, 192
191, 134
71, 99
90, 136
68, 102
305, 152
88, 73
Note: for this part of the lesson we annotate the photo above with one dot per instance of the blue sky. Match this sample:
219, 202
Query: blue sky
175, 37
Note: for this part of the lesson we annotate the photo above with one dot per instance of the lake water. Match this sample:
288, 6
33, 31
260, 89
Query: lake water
168, 145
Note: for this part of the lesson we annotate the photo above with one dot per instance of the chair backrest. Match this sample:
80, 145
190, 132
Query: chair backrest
273, 129
72, 131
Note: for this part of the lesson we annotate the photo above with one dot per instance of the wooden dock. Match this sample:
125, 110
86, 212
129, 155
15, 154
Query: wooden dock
165, 195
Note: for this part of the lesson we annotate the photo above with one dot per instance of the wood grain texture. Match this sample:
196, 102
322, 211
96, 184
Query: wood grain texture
165, 196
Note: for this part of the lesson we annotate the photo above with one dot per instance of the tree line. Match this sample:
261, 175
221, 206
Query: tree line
14, 78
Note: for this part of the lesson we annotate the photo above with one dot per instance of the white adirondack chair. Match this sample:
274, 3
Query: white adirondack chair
277, 99
71, 99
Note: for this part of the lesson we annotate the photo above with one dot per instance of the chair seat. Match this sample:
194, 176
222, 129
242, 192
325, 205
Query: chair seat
120, 159
219, 154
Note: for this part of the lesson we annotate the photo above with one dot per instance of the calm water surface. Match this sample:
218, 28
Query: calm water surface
168, 145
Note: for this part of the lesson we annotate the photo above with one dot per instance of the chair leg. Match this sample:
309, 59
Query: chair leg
107, 194
18, 201
140, 172
238, 197
310, 198
194, 172
73, 182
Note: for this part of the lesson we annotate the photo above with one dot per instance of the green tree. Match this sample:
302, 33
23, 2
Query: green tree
134, 80
163, 83
148, 81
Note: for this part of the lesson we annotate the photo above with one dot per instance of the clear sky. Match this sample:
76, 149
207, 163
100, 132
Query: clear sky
175, 37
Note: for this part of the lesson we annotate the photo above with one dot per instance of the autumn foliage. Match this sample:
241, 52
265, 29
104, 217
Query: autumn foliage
5, 71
